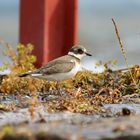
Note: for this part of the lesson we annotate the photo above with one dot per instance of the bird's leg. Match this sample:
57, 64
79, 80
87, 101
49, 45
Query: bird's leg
57, 85
58, 88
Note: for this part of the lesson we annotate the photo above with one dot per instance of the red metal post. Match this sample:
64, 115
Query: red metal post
51, 25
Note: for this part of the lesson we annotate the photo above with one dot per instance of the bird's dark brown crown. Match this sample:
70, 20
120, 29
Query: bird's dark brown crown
78, 50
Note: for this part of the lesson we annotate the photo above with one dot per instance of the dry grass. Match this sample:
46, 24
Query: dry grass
85, 93
123, 51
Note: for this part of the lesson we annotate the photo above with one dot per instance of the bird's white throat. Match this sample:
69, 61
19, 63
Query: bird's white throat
79, 56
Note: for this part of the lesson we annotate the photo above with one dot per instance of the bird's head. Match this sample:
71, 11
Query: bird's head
78, 51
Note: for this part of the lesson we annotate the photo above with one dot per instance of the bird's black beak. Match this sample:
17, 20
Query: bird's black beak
88, 54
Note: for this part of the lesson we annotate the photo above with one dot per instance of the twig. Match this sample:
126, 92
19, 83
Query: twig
122, 70
123, 51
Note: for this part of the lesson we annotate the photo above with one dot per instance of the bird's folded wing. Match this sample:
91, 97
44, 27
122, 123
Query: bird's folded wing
56, 67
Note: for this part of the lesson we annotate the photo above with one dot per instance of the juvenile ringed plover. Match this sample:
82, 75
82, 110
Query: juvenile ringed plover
61, 68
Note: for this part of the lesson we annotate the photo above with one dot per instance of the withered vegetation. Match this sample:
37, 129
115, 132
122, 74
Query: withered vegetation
85, 93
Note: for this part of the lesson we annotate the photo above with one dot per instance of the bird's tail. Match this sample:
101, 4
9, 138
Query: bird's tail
25, 74
32, 73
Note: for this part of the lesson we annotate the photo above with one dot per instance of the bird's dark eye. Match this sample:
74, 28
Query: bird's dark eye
80, 51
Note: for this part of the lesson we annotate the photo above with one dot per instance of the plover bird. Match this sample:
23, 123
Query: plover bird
61, 68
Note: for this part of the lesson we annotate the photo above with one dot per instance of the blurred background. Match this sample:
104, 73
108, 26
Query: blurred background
96, 31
